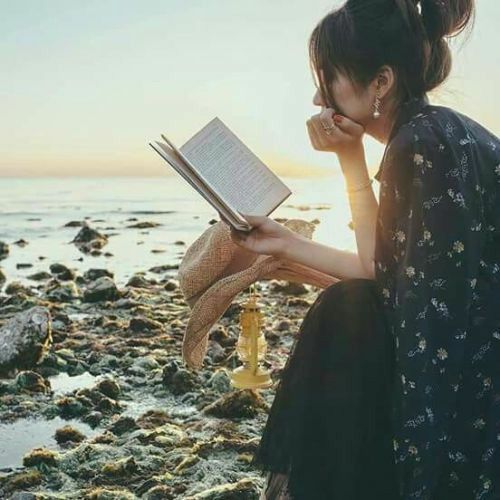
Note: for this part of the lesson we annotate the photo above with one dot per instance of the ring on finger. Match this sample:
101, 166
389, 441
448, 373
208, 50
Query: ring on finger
329, 129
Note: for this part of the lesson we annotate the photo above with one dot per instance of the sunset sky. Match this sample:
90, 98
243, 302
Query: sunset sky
86, 84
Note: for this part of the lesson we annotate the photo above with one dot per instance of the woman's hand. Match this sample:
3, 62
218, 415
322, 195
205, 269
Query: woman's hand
266, 237
343, 138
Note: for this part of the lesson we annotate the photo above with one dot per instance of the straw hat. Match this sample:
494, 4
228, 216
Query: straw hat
214, 270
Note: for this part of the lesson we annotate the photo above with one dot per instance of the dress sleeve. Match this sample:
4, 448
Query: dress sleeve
438, 236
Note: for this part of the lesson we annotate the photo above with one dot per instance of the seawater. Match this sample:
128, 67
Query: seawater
36, 210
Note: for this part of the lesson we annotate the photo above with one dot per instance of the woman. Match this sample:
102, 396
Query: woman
392, 387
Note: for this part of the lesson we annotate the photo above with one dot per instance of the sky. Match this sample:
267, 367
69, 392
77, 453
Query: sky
85, 85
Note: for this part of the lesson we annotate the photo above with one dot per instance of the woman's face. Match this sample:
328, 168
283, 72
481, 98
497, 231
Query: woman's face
357, 107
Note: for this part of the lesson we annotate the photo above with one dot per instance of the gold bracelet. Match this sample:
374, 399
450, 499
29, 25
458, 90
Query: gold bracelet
359, 188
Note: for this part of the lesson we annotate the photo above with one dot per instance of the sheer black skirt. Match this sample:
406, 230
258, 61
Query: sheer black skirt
329, 425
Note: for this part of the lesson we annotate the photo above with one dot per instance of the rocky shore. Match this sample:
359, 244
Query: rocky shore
95, 402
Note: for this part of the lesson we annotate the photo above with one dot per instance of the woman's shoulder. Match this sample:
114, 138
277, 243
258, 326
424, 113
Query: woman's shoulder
438, 127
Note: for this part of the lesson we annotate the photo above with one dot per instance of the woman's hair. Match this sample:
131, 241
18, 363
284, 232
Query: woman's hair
360, 37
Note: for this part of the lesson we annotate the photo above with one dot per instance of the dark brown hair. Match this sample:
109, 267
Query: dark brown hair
408, 35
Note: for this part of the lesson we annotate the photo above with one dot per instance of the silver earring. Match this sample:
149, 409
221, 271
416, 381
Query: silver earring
376, 105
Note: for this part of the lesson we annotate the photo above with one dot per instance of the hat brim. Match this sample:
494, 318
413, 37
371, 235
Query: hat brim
214, 302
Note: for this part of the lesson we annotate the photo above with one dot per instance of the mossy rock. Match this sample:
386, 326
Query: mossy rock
109, 494
244, 403
68, 434
24, 480
39, 456
120, 468
245, 489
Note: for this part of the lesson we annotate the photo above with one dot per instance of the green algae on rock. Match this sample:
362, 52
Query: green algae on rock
244, 403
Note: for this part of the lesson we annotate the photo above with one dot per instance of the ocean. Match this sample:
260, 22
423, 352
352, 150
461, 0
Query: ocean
36, 210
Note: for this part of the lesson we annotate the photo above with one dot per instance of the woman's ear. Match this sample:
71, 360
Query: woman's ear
385, 81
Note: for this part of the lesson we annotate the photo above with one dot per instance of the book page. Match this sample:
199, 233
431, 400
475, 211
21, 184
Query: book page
234, 171
191, 177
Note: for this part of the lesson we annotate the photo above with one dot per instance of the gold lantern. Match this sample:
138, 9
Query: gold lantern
251, 347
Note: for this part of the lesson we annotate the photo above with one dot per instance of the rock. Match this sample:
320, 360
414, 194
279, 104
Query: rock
24, 495
74, 223
23, 265
17, 288
142, 324
3, 278
101, 289
4, 250
282, 325
122, 425
21, 242
101, 493
25, 339
62, 272
68, 434
188, 461
171, 285
40, 276
63, 292
23, 480
244, 403
245, 489
138, 281
215, 352
297, 302
289, 288
32, 382
93, 418
220, 381
146, 486
39, 456
153, 418
162, 492
109, 387
163, 268
145, 225
169, 369
87, 240
94, 273
70, 407
146, 363
220, 334
183, 381
120, 468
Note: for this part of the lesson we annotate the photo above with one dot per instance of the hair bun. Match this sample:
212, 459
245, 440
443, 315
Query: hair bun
445, 18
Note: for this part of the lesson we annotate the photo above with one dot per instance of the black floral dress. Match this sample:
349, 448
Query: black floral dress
437, 265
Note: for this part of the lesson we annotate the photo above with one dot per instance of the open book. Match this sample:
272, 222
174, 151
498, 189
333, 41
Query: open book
226, 173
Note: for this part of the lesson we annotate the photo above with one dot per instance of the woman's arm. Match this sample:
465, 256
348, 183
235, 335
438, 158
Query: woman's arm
339, 263
364, 207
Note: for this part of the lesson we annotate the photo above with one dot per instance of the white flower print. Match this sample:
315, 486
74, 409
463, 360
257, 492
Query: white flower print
418, 159
400, 236
458, 246
440, 307
413, 450
456, 197
479, 423
442, 353
410, 271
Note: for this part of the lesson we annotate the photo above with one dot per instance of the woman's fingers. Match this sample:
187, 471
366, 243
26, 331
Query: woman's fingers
326, 117
313, 134
349, 126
